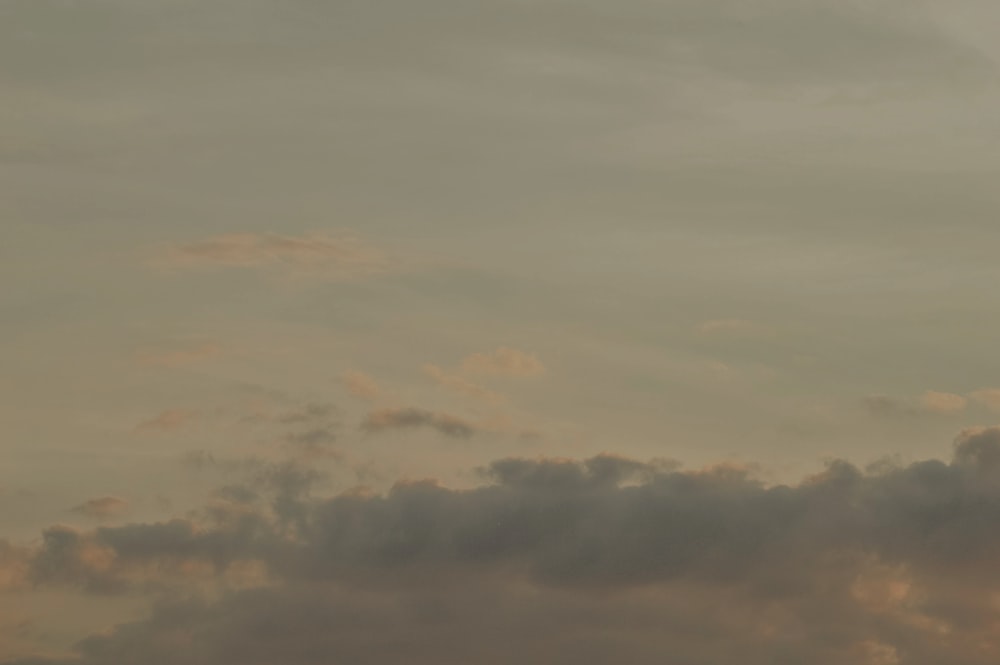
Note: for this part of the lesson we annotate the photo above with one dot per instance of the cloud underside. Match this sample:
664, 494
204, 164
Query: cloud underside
931, 403
605, 560
409, 417
102, 507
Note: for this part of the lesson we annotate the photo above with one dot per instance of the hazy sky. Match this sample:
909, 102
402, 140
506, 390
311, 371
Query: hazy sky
499, 331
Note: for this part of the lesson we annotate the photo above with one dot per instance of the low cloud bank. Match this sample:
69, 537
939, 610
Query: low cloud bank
596, 561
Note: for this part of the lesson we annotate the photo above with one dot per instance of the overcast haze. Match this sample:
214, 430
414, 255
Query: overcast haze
499, 331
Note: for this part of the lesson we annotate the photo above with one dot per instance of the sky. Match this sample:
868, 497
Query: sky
500, 331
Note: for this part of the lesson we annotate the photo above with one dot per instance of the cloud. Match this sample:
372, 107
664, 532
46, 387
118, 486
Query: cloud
504, 362
15, 562
945, 404
168, 421
460, 385
563, 561
102, 508
361, 385
988, 397
399, 418
317, 254
931, 403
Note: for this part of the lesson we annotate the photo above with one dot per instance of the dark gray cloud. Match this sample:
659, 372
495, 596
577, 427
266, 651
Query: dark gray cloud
568, 561
400, 418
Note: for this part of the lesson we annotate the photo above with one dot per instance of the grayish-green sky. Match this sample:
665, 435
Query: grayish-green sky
401, 239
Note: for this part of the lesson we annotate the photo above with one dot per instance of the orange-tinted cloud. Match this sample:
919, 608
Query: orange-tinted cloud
945, 404
361, 385
988, 397
168, 421
606, 556
931, 403
14, 566
460, 385
503, 362
734, 327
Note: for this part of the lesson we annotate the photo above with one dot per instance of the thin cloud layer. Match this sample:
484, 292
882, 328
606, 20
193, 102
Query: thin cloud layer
318, 254
988, 397
460, 385
931, 403
581, 561
361, 385
403, 418
945, 404
103, 508
503, 362
168, 421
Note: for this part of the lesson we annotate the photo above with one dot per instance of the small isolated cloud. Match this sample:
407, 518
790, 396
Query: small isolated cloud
505, 362
168, 421
361, 385
102, 508
319, 254
988, 397
733, 327
945, 404
410, 417
180, 357
460, 385
931, 403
